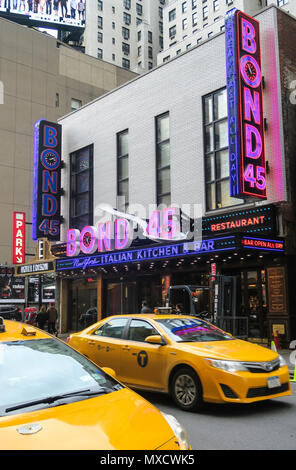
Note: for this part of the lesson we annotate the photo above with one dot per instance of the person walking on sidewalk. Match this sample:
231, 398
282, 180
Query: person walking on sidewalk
52, 318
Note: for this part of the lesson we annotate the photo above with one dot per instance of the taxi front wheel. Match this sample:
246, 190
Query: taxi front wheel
186, 389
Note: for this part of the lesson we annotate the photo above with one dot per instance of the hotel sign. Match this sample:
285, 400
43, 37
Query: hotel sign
46, 218
245, 106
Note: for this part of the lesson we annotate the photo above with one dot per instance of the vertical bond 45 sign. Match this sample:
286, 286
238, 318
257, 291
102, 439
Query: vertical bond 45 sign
245, 106
46, 218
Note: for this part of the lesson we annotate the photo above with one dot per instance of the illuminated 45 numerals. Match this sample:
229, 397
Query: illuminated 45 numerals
49, 227
255, 179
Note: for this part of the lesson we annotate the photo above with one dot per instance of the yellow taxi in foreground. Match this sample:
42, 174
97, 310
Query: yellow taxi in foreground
187, 357
53, 398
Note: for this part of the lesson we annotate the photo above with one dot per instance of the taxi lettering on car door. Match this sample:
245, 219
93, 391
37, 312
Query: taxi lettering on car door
142, 363
104, 344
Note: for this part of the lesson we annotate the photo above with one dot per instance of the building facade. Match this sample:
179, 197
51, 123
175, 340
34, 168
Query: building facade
189, 22
40, 78
126, 33
170, 146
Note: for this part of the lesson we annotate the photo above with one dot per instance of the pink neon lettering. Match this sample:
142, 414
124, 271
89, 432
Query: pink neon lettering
122, 233
73, 248
87, 240
252, 104
104, 236
252, 133
248, 37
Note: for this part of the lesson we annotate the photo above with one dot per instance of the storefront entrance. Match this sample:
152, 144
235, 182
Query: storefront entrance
82, 297
127, 296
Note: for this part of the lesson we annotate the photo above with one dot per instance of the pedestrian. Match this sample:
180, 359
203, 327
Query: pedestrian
64, 8
42, 317
48, 7
52, 318
145, 308
179, 309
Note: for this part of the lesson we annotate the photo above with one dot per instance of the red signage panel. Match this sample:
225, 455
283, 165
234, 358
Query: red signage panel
18, 237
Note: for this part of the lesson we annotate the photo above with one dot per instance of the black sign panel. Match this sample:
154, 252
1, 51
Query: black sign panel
46, 218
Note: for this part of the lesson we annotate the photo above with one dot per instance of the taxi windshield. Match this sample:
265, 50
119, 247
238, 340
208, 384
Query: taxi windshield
42, 372
184, 330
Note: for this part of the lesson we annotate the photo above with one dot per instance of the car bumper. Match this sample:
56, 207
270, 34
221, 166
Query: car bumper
244, 387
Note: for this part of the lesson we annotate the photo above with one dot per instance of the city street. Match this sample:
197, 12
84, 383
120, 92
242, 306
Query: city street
267, 425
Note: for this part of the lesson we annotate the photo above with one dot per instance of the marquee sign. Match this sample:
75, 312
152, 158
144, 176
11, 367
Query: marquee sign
149, 253
18, 237
245, 106
260, 220
46, 181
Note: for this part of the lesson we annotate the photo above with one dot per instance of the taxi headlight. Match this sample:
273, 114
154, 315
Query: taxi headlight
178, 430
282, 361
228, 366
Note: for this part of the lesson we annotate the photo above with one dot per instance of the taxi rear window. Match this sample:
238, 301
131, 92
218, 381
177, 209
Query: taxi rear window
34, 369
192, 330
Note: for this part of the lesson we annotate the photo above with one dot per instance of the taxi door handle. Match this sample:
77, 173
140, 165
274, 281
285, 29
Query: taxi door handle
91, 343
125, 348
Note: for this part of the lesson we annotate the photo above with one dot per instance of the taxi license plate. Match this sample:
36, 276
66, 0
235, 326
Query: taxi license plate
273, 382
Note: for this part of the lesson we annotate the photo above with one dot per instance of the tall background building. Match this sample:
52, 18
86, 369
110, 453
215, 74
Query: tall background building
126, 33
186, 23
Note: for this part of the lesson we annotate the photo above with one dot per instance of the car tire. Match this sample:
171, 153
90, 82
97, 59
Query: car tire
186, 389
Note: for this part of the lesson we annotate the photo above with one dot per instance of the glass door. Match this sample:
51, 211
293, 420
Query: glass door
253, 290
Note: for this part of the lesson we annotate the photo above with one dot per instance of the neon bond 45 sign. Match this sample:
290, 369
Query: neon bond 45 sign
245, 106
46, 181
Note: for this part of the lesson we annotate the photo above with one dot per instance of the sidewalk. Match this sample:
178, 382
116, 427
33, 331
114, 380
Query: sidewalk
286, 353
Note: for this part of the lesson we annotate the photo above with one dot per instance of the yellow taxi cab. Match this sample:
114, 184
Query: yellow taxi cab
186, 357
53, 398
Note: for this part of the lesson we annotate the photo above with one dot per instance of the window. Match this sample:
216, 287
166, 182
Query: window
172, 31
125, 63
160, 12
216, 5
194, 18
282, 2
184, 7
194, 4
140, 329
160, 24
150, 37
139, 9
163, 183
150, 52
100, 22
126, 18
100, 36
172, 14
127, 4
112, 328
184, 23
100, 53
139, 51
122, 168
75, 104
81, 188
100, 5
205, 12
125, 48
150, 65
125, 33
139, 35
57, 103
113, 25
216, 151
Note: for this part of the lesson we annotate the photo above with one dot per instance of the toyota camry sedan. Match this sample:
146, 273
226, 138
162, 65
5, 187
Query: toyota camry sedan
54, 398
186, 357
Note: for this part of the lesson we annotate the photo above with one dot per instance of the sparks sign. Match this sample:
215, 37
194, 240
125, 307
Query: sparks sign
245, 106
46, 181
18, 237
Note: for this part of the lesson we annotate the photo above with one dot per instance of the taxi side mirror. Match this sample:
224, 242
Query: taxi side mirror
109, 371
154, 339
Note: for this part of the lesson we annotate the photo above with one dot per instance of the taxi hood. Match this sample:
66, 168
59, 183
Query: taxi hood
234, 349
121, 420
